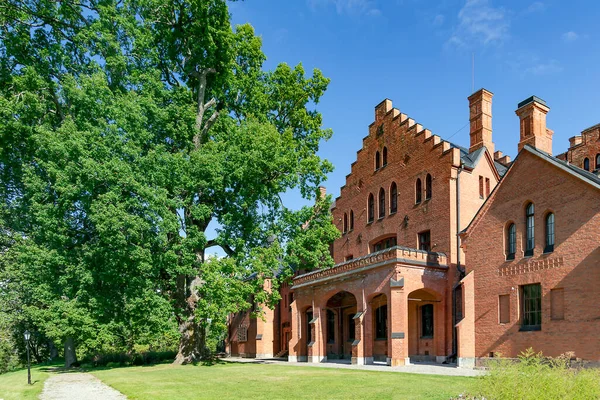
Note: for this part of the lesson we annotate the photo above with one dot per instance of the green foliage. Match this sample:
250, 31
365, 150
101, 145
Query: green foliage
127, 128
534, 376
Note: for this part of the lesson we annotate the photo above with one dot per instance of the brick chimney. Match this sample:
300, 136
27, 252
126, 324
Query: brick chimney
532, 114
480, 116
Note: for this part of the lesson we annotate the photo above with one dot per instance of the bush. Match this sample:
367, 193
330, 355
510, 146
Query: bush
534, 376
113, 360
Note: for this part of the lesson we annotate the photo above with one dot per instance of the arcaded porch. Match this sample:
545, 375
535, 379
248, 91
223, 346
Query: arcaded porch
389, 306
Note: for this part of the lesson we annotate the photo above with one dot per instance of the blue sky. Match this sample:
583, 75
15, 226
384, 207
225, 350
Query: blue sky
419, 53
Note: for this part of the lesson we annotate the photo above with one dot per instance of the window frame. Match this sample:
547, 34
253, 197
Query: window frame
511, 241
393, 198
381, 205
421, 235
586, 164
242, 333
351, 221
370, 208
428, 187
531, 307
381, 322
598, 161
427, 313
550, 232
418, 191
345, 223
377, 161
529, 229
330, 315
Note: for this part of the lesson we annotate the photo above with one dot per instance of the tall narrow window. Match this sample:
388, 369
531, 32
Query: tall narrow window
381, 322
529, 230
425, 241
384, 156
351, 220
487, 187
531, 307
511, 242
351, 327
428, 187
330, 327
371, 206
381, 203
427, 321
598, 161
393, 198
345, 223
549, 233
480, 186
309, 317
418, 191
586, 164
377, 161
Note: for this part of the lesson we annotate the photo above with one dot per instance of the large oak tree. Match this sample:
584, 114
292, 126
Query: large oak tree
129, 128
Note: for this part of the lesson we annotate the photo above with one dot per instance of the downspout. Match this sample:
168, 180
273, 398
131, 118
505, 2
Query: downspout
461, 271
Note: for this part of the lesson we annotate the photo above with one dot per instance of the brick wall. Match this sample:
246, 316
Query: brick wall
573, 266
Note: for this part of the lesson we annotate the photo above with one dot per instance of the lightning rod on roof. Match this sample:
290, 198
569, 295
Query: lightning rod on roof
473, 73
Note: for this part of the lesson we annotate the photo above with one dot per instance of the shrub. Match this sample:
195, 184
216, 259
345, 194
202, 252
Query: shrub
534, 376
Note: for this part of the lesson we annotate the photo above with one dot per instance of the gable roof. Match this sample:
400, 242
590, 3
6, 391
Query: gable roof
571, 169
470, 160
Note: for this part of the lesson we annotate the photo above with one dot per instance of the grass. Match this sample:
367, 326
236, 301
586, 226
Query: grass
13, 385
259, 381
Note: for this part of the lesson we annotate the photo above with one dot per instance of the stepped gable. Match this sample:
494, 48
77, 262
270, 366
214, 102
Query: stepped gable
390, 123
392, 127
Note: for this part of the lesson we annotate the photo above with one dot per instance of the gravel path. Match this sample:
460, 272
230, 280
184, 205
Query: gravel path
78, 385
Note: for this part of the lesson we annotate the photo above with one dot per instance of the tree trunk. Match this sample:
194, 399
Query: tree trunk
53, 350
192, 345
70, 356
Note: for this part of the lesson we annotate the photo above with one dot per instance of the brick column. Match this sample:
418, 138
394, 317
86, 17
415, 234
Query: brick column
358, 346
398, 327
295, 352
264, 333
316, 349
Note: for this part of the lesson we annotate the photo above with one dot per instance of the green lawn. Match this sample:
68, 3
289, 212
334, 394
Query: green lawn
256, 381
13, 385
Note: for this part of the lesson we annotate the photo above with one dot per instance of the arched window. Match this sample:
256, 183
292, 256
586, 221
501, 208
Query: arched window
384, 163
381, 203
345, 224
529, 230
351, 220
598, 161
418, 191
428, 187
381, 322
393, 198
549, 233
586, 164
377, 161
371, 212
511, 242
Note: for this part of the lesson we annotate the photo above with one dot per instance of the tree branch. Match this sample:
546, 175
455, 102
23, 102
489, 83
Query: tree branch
201, 75
212, 243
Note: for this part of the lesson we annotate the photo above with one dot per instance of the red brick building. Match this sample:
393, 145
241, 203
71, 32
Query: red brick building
533, 255
402, 290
